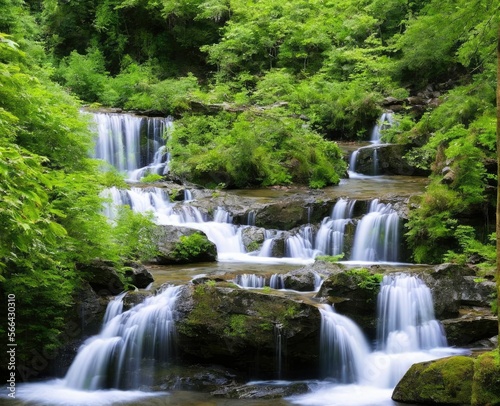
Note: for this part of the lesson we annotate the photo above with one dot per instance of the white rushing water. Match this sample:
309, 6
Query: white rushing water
376, 238
127, 342
134, 145
407, 333
385, 121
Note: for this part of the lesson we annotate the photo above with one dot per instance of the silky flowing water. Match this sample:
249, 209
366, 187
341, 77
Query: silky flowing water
354, 372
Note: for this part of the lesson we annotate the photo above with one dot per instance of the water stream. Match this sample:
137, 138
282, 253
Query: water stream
108, 367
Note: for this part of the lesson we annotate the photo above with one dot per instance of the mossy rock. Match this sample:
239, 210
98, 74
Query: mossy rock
445, 381
238, 328
486, 383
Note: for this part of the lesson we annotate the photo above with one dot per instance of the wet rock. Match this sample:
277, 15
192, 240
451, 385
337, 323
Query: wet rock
252, 238
138, 275
171, 240
445, 381
446, 282
261, 391
391, 161
354, 294
302, 280
103, 278
238, 328
473, 325
196, 378
133, 298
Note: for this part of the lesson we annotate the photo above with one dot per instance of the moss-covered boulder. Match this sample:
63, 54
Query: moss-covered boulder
181, 245
447, 381
354, 294
241, 329
486, 382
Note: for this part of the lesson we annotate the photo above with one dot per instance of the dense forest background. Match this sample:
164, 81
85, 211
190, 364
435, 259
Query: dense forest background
260, 90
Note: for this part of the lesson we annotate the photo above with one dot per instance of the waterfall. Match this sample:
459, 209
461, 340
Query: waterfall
344, 348
301, 245
385, 121
250, 281
406, 316
377, 235
251, 218
114, 308
276, 281
127, 342
330, 237
278, 341
133, 145
188, 195
407, 331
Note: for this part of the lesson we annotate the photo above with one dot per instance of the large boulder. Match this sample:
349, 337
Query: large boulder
240, 328
390, 160
178, 245
472, 326
447, 381
103, 277
138, 275
354, 293
252, 238
457, 380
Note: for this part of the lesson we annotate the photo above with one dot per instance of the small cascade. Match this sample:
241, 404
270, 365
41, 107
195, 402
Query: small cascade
276, 281
251, 218
127, 342
330, 237
278, 341
222, 216
301, 245
318, 281
133, 145
344, 348
114, 308
248, 281
385, 121
377, 235
188, 195
267, 247
406, 316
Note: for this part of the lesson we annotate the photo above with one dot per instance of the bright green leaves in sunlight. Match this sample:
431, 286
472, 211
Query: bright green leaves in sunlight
253, 148
28, 233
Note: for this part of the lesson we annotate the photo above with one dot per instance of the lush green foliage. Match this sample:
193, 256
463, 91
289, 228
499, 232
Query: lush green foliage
252, 148
192, 246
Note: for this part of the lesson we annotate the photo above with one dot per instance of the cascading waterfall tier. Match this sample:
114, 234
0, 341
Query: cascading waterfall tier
407, 333
385, 121
128, 342
406, 316
377, 235
133, 145
344, 348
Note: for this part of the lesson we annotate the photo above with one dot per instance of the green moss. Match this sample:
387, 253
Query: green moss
365, 279
237, 326
192, 247
205, 313
253, 246
444, 381
486, 382
330, 258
